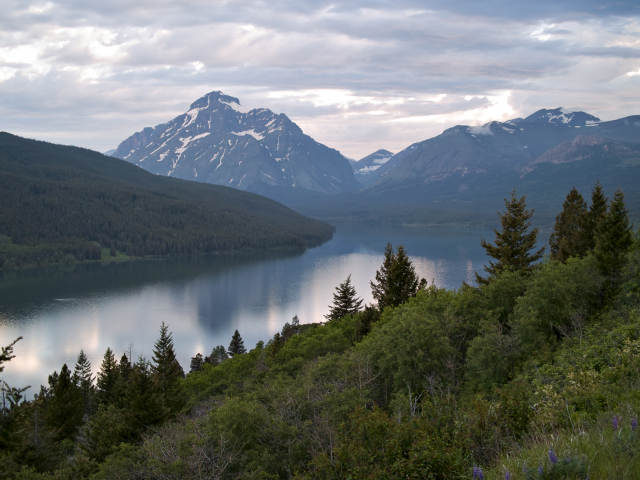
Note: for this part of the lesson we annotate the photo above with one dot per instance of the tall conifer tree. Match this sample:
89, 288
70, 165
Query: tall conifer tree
513, 243
568, 238
66, 407
107, 379
596, 211
613, 240
143, 397
396, 281
84, 380
218, 355
345, 301
167, 372
236, 347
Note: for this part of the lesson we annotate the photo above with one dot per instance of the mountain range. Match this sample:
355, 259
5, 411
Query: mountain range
459, 176
219, 141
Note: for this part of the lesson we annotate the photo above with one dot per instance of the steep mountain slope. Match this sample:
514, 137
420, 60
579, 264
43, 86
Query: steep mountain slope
463, 174
220, 142
364, 167
75, 200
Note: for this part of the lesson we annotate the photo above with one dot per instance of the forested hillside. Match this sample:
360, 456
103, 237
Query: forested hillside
60, 203
534, 374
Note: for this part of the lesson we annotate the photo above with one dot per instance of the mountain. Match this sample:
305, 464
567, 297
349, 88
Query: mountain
57, 200
218, 141
364, 167
462, 175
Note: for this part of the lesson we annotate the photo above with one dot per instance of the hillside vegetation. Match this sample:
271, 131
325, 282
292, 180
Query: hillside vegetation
61, 204
533, 374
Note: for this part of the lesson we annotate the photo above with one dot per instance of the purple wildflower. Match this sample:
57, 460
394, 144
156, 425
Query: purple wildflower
614, 422
552, 456
540, 469
507, 475
634, 424
475, 472
480, 474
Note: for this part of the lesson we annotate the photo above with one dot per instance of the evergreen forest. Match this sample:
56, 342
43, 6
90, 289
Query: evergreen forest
61, 204
532, 374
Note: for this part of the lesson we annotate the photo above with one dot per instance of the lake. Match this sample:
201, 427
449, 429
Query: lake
59, 310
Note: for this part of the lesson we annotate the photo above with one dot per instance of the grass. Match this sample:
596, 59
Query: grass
107, 258
598, 451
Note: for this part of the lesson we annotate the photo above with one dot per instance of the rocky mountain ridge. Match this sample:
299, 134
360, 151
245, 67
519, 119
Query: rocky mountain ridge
219, 141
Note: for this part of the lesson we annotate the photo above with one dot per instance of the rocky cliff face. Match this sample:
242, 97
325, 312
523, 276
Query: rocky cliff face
220, 142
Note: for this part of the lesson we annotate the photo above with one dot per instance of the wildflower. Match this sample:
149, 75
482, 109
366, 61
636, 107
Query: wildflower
552, 456
634, 424
480, 474
540, 469
475, 472
614, 422
507, 475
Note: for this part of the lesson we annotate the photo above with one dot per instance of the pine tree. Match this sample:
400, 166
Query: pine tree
197, 363
513, 243
84, 380
107, 379
614, 238
236, 347
344, 301
167, 372
142, 399
291, 329
396, 281
596, 211
218, 355
568, 238
65, 409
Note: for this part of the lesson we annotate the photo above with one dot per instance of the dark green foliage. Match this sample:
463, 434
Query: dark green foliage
218, 355
143, 400
365, 320
613, 240
345, 301
62, 204
7, 353
107, 380
166, 372
66, 406
109, 427
513, 243
196, 363
291, 329
396, 281
236, 347
84, 380
597, 210
568, 238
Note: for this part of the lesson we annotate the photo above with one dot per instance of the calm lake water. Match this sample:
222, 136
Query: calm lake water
204, 299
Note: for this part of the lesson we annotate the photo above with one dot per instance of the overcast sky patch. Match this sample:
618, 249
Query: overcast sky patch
357, 76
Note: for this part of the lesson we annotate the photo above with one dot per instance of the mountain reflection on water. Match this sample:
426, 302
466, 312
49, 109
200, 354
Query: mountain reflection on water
60, 310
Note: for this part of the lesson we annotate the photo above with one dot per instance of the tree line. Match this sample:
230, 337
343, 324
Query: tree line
65, 203
530, 374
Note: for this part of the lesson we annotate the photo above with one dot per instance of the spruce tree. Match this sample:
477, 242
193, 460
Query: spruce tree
396, 281
107, 379
197, 363
84, 380
568, 238
613, 240
236, 347
345, 301
66, 406
596, 211
143, 398
218, 355
513, 243
167, 372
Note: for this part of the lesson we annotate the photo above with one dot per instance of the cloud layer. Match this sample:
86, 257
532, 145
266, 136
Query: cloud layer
357, 76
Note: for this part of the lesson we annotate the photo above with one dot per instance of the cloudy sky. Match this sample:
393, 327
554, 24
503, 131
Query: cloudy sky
354, 75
